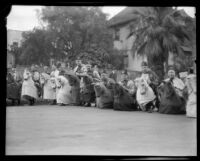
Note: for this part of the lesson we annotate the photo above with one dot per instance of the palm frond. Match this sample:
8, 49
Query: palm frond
180, 33
153, 48
169, 42
141, 49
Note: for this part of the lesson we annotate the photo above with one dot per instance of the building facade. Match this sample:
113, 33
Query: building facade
122, 25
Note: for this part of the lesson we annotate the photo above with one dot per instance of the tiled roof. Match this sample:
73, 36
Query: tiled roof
125, 15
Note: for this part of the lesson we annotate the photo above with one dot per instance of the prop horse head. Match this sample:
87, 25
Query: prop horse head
166, 89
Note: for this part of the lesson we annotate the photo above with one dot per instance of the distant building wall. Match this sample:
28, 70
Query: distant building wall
125, 43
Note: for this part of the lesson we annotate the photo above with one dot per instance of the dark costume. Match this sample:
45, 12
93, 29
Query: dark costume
13, 89
113, 76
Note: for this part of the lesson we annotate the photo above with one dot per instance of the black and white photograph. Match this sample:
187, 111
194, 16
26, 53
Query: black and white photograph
101, 81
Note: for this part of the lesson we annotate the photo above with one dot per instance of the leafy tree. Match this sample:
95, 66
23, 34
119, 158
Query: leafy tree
70, 32
158, 31
16, 50
35, 47
77, 29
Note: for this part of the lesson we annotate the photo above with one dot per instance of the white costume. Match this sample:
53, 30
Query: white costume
145, 77
191, 107
64, 93
96, 74
48, 91
28, 87
55, 73
145, 93
178, 84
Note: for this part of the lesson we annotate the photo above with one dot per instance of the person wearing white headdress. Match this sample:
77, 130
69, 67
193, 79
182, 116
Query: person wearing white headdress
177, 83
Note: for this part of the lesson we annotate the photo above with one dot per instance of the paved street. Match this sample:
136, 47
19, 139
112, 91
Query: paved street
55, 130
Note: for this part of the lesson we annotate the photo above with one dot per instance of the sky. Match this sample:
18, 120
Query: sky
24, 18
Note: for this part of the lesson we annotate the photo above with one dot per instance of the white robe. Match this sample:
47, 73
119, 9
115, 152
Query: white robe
49, 92
64, 93
28, 87
147, 97
191, 107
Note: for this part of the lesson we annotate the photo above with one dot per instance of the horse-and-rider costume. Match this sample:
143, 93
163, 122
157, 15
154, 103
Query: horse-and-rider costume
29, 90
149, 76
49, 93
63, 95
176, 82
128, 84
36, 79
87, 88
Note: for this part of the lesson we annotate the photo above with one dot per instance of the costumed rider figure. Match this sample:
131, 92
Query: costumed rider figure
128, 84
87, 88
151, 78
96, 73
36, 79
178, 84
49, 93
29, 90
78, 70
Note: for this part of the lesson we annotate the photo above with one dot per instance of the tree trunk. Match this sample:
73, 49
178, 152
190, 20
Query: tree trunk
157, 67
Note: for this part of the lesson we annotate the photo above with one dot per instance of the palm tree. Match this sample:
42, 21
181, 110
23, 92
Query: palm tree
159, 31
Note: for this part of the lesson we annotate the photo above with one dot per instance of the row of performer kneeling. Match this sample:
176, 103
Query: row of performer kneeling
70, 89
